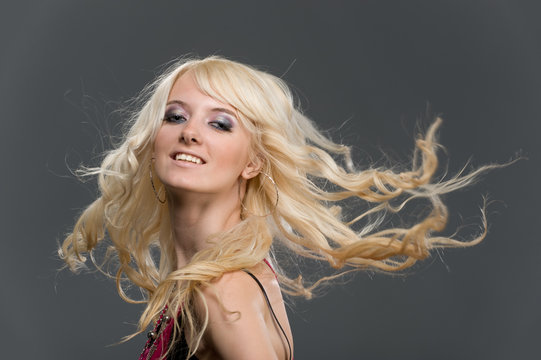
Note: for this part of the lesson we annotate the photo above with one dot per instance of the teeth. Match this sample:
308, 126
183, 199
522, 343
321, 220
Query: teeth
186, 157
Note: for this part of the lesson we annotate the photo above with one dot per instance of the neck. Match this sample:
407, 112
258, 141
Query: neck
195, 217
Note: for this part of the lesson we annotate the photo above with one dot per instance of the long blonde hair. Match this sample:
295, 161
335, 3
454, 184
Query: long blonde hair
312, 174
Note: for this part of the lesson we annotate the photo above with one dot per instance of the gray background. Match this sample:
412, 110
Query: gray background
364, 70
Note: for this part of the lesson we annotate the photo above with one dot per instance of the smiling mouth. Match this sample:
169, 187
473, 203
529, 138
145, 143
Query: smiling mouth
188, 158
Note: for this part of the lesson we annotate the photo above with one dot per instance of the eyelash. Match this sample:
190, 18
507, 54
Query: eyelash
174, 118
220, 123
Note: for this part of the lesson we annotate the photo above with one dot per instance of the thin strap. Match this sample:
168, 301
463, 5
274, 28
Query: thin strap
270, 307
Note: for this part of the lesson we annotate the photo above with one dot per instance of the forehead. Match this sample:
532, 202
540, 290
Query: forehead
186, 90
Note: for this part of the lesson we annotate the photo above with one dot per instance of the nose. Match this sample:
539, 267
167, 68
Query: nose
190, 134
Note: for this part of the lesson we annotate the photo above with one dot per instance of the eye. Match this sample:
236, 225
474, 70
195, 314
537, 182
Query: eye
174, 117
222, 123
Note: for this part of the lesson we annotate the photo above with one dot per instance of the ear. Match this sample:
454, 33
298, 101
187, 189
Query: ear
252, 168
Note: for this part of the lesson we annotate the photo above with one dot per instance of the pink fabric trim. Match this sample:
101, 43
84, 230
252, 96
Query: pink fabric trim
161, 344
270, 266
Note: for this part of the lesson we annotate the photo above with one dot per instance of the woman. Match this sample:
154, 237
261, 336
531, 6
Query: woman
218, 168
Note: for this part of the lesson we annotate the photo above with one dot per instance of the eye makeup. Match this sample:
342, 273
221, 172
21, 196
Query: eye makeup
222, 122
175, 114
219, 118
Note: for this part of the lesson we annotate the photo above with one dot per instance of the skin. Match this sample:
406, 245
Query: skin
205, 199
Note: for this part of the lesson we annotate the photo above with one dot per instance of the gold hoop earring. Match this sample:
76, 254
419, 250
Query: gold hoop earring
152, 183
275, 203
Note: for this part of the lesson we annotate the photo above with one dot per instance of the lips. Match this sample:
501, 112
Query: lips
182, 156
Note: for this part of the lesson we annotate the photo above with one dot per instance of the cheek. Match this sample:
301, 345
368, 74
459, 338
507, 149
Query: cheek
160, 152
240, 149
237, 156
160, 141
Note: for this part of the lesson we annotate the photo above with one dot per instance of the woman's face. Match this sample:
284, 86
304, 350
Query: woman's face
201, 146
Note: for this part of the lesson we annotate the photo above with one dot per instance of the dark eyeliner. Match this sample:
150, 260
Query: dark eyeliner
174, 117
222, 123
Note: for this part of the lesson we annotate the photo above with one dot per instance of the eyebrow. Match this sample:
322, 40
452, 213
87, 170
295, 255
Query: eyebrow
217, 109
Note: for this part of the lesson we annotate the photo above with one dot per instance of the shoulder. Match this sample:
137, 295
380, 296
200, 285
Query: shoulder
237, 292
237, 316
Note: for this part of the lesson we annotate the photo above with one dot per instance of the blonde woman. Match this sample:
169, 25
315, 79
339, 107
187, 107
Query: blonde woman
217, 169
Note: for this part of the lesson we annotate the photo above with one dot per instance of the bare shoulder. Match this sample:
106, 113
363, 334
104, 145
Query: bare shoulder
236, 292
238, 316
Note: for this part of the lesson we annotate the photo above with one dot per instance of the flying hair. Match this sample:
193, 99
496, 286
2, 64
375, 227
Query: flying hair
308, 219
